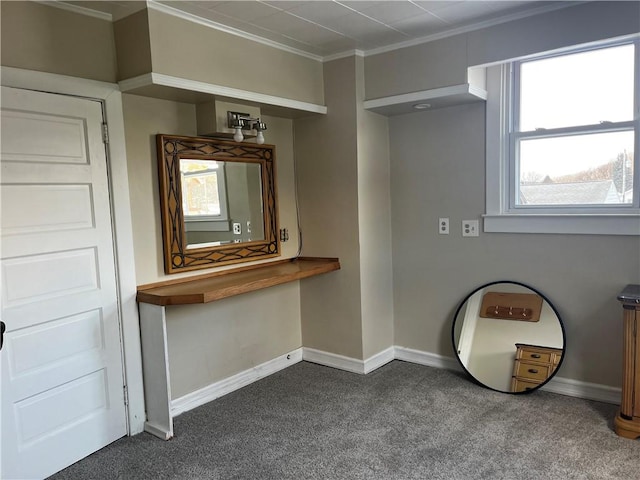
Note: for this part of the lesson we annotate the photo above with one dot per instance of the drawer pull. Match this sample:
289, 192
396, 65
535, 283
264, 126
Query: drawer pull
535, 355
533, 370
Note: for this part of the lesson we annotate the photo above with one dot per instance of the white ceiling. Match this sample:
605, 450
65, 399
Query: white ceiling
329, 28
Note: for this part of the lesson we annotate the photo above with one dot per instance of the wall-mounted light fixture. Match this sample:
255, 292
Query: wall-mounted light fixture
242, 121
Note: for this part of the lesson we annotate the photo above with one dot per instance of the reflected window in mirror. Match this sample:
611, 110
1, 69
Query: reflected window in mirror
508, 337
204, 190
216, 195
218, 202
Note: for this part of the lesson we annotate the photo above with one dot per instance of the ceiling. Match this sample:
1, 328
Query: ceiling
331, 28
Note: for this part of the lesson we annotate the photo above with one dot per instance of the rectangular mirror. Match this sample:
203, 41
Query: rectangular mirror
213, 188
218, 202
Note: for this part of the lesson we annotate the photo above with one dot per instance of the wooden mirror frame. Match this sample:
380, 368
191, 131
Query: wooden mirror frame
177, 258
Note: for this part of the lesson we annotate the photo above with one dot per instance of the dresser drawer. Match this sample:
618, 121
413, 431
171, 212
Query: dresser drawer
519, 385
542, 357
531, 371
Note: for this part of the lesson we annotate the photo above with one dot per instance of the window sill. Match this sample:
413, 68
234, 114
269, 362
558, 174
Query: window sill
563, 224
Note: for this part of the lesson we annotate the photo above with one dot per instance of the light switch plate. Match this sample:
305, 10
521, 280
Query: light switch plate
470, 228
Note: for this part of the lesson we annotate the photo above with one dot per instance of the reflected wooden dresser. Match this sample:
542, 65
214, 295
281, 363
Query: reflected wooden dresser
627, 422
534, 364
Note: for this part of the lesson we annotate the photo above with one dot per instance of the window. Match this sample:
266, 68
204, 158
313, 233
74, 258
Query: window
562, 133
204, 198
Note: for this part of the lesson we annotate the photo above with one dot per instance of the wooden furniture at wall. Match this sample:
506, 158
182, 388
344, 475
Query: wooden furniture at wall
533, 365
627, 422
153, 300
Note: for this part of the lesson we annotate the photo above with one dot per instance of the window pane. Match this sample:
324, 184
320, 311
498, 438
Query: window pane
200, 194
578, 89
576, 170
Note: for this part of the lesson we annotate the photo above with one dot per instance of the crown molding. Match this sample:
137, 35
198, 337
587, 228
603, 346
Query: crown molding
69, 7
472, 27
160, 7
345, 54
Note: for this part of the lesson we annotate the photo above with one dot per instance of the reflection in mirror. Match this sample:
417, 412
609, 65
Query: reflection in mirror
218, 202
218, 194
508, 337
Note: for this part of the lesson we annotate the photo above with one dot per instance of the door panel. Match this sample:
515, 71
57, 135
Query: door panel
61, 363
60, 139
41, 202
35, 278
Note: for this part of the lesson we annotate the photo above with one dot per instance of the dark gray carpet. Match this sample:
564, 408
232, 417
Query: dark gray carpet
403, 421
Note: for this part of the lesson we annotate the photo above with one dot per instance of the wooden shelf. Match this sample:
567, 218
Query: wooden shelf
219, 285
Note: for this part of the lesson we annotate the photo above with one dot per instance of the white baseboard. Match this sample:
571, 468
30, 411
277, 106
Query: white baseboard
589, 391
425, 358
379, 359
349, 364
563, 386
156, 431
333, 360
235, 382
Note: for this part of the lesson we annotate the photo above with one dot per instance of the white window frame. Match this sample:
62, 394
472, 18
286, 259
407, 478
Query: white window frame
212, 223
501, 216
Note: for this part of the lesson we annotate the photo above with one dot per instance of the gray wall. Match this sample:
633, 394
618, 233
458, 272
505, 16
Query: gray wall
209, 342
206, 343
196, 52
326, 159
438, 170
47, 39
444, 62
430, 65
343, 174
374, 224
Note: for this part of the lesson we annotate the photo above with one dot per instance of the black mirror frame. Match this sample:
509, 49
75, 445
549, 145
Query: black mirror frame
455, 350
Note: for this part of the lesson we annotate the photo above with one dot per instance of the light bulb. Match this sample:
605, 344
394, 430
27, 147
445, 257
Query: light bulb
237, 135
260, 137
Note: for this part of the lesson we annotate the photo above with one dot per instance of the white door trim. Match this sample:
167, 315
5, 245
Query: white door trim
110, 94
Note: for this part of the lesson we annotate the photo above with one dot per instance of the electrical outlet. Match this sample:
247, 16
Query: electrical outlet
470, 228
237, 229
443, 226
248, 226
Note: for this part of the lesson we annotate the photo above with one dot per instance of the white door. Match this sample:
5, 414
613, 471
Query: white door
61, 362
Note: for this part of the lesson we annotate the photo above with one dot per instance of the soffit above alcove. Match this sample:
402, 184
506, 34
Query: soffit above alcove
163, 57
189, 91
429, 99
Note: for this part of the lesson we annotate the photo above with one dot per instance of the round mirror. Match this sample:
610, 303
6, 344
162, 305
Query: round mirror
508, 337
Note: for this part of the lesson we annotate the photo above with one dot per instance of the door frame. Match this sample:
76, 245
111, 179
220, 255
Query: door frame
111, 97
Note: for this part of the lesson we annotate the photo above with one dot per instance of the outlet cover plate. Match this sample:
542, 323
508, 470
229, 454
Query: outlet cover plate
443, 226
470, 228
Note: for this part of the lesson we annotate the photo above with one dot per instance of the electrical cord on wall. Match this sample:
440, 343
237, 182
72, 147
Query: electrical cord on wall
295, 193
